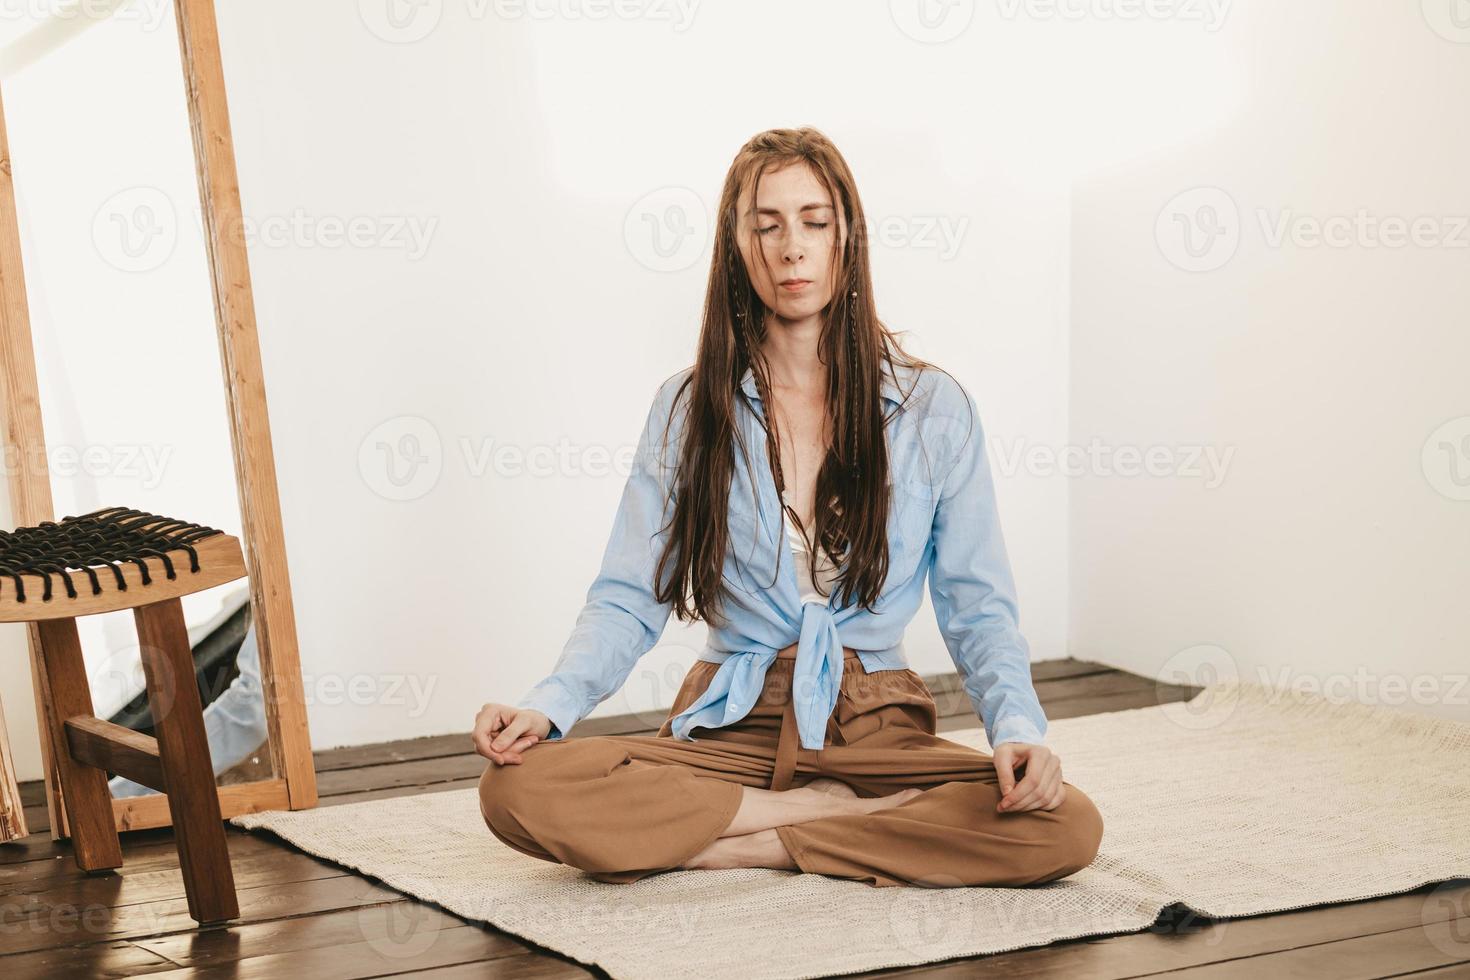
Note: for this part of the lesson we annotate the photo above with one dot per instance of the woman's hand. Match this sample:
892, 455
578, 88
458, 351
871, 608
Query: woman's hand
503, 731
1040, 789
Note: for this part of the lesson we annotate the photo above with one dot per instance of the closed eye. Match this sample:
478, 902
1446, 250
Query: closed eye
818, 225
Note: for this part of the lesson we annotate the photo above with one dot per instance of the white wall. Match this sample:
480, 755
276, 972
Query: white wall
500, 171
1329, 551
536, 318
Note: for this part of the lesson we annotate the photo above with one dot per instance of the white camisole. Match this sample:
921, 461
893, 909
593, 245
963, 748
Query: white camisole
807, 576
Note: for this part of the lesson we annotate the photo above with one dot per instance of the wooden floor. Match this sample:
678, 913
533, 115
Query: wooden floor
306, 919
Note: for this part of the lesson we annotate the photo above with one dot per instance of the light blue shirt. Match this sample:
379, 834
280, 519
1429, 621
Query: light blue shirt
942, 523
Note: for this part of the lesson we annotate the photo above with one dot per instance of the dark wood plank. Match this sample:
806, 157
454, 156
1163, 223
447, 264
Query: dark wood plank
1385, 954
114, 959
276, 866
422, 772
141, 850
397, 931
100, 923
380, 956
539, 968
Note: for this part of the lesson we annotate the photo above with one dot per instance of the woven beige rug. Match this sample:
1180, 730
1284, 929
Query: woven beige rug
1243, 800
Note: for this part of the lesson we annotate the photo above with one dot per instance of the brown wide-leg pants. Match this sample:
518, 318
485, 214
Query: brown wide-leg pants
622, 807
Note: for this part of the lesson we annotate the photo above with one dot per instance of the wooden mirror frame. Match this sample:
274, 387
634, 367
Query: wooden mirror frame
294, 784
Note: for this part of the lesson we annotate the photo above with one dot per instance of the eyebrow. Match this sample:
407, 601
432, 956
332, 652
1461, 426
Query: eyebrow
814, 206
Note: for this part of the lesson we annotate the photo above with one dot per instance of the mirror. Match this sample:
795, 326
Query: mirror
125, 278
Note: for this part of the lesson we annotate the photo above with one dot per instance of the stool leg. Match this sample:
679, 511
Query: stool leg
183, 750
84, 789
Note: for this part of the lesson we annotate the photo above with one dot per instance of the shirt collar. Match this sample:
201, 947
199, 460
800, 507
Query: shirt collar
887, 388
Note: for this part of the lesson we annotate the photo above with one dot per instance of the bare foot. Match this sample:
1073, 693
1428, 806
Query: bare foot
762, 849
837, 788
884, 802
832, 787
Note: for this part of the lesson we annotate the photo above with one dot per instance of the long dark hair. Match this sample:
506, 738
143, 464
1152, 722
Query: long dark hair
852, 493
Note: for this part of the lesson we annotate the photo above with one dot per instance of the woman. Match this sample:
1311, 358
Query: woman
817, 749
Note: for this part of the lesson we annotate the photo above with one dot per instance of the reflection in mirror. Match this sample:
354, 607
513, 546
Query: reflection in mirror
127, 355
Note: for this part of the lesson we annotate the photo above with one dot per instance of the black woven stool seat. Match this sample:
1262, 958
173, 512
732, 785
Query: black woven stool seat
102, 554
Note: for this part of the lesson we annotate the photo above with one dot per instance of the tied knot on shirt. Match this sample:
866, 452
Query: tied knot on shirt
815, 682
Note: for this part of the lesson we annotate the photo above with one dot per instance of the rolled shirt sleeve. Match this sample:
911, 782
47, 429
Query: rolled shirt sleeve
971, 586
620, 620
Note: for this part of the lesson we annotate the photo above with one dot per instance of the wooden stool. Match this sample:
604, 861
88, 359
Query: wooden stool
127, 559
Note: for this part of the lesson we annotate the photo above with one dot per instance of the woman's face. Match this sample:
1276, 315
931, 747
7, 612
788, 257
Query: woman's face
795, 229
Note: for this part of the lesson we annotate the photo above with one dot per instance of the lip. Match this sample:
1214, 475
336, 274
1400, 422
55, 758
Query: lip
795, 285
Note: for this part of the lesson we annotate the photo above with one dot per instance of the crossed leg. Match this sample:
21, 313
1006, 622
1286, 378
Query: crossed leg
622, 807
